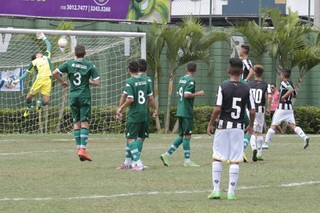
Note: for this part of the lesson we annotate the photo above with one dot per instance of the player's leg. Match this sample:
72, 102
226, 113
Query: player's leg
246, 138
187, 126
300, 133
175, 145
46, 92
258, 128
235, 157
85, 115
128, 159
259, 146
220, 153
133, 132
35, 88
29, 105
277, 118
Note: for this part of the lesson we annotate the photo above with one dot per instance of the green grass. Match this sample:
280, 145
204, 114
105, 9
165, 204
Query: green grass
41, 173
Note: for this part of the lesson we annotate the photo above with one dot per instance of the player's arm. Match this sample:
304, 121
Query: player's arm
57, 74
153, 104
95, 82
252, 113
25, 74
122, 99
188, 91
95, 76
214, 116
249, 74
269, 98
41, 35
127, 103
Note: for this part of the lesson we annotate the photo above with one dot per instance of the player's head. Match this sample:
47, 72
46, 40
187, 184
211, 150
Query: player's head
258, 70
36, 55
285, 74
133, 67
235, 67
191, 67
143, 66
79, 51
244, 49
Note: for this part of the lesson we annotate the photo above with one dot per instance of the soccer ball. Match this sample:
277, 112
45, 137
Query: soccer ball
62, 43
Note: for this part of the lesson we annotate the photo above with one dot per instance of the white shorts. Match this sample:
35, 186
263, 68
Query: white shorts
259, 122
228, 145
283, 115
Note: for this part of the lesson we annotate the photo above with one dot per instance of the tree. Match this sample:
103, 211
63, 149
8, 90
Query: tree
187, 42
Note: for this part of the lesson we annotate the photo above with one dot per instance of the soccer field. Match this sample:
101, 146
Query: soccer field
42, 173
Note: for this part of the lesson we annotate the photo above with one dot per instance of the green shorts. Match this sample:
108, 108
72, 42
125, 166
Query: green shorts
80, 108
185, 126
135, 130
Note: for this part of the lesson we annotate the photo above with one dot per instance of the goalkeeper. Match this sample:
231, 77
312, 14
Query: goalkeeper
41, 67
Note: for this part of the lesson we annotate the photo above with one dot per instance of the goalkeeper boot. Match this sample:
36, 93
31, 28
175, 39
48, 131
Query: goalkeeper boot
83, 155
38, 105
306, 140
245, 159
190, 164
214, 195
254, 155
165, 159
27, 112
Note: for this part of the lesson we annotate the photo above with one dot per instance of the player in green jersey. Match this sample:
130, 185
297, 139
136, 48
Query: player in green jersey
186, 94
138, 93
81, 74
142, 63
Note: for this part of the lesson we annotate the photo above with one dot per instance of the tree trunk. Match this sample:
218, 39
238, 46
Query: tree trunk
167, 124
156, 98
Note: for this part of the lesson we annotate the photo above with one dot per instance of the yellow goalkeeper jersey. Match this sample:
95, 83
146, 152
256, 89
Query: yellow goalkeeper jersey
44, 67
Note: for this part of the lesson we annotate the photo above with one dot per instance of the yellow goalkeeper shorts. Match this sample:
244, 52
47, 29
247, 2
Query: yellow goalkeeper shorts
42, 85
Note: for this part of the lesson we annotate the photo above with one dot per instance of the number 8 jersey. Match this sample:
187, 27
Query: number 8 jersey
233, 97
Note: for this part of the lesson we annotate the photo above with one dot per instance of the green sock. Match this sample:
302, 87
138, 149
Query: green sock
246, 140
134, 151
186, 148
140, 145
76, 134
84, 132
29, 103
175, 145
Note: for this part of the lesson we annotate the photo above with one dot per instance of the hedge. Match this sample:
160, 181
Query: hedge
103, 120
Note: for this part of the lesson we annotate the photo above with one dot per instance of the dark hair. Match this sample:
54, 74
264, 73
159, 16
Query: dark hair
286, 73
258, 69
235, 66
80, 51
192, 67
273, 84
246, 47
34, 56
133, 66
143, 66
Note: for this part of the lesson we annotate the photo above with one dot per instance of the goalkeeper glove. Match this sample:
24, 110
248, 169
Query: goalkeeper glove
40, 35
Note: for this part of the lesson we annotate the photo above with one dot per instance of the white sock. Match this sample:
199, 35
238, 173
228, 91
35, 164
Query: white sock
233, 177
167, 154
253, 142
127, 161
299, 132
139, 163
216, 175
269, 135
259, 144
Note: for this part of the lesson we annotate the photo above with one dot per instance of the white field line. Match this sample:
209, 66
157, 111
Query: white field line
146, 193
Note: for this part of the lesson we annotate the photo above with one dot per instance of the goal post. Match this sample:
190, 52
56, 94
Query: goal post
109, 51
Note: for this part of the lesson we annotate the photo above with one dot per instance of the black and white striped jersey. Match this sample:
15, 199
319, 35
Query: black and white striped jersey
246, 66
233, 97
259, 90
285, 86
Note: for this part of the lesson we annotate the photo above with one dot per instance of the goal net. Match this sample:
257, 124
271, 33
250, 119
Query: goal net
109, 51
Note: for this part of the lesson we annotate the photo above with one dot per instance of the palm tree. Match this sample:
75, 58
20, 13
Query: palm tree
155, 46
187, 42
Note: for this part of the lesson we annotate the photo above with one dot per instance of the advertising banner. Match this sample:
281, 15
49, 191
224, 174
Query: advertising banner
122, 10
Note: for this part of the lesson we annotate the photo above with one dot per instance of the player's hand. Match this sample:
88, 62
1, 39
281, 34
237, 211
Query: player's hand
249, 130
201, 93
40, 35
268, 112
209, 130
64, 84
119, 114
155, 113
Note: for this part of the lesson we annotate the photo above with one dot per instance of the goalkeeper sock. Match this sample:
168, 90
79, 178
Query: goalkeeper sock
233, 177
29, 103
76, 133
174, 146
186, 148
84, 132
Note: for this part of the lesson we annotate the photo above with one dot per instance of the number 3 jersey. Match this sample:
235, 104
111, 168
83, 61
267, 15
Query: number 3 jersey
233, 97
186, 84
259, 90
79, 72
138, 88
